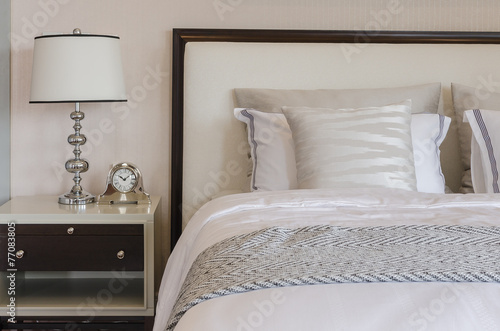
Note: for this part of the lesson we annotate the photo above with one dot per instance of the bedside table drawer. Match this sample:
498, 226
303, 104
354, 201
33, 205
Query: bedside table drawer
79, 247
78, 230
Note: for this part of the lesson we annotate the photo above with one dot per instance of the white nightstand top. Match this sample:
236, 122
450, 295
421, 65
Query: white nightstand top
36, 207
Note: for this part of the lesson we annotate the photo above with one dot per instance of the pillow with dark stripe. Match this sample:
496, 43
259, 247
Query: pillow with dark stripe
485, 149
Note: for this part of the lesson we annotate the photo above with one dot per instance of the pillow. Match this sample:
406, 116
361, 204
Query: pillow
485, 149
427, 133
271, 150
465, 98
425, 98
345, 148
273, 155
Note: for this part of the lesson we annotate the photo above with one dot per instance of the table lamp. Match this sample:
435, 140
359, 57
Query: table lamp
75, 68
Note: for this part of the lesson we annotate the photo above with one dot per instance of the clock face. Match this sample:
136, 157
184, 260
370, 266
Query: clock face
124, 180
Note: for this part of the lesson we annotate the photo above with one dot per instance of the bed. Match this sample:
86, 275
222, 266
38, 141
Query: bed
333, 180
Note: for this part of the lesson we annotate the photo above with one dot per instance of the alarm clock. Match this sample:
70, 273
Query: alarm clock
124, 186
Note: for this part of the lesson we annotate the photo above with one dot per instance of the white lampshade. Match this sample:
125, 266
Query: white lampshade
77, 68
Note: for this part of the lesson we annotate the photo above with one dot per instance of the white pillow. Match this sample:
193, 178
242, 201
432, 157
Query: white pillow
353, 148
427, 133
271, 150
485, 149
273, 156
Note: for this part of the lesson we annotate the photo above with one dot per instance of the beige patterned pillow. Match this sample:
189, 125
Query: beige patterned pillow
365, 147
425, 98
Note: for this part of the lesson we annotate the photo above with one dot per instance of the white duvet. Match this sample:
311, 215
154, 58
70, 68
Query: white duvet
367, 306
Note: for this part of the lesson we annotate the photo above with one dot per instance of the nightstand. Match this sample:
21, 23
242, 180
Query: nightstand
67, 266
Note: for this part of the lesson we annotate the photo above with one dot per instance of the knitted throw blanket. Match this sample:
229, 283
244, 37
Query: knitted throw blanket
276, 257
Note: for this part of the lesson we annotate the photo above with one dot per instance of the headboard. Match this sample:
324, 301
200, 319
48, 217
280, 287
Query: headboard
209, 153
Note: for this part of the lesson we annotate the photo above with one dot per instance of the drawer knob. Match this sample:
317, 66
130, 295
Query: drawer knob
71, 230
20, 254
120, 255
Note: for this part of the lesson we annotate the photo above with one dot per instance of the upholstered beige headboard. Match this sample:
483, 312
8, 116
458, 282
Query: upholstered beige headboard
209, 146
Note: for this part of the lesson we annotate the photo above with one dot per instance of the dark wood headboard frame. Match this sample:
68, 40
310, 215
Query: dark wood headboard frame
182, 36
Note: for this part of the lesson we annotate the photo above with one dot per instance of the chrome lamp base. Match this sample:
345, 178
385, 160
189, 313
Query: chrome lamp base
72, 199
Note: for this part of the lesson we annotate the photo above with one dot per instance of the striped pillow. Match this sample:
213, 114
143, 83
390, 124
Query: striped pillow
485, 149
365, 147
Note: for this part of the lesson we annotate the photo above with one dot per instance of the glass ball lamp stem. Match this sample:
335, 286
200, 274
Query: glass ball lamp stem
77, 195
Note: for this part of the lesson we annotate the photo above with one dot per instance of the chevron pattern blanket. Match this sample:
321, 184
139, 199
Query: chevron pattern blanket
277, 256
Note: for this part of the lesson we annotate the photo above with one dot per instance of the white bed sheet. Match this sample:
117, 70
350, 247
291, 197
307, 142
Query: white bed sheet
373, 306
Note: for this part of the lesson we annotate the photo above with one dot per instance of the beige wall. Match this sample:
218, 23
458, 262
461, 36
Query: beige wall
140, 129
